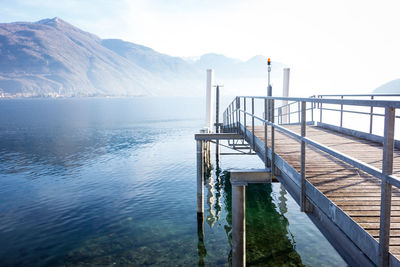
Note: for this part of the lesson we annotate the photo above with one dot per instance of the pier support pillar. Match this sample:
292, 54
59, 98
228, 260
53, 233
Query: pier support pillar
239, 180
200, 178
201, 248
238, 225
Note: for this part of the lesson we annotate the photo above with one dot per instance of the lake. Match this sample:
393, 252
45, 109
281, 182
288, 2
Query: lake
112, 182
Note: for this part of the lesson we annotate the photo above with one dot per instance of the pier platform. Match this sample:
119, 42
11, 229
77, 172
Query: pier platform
345, 180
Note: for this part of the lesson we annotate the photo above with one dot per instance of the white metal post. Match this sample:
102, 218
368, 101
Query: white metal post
209, 99
285, 93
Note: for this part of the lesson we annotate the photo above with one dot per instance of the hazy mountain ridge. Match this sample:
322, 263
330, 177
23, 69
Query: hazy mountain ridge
392, 87
52, 58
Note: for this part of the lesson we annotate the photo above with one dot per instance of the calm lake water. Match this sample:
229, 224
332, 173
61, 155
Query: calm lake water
110, 182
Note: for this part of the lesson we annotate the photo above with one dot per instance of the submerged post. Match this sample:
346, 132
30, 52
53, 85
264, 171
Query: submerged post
200, 205
386, 188
238, 225
200, 178
239, 180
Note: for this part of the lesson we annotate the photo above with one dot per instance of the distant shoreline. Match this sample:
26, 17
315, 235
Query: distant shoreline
67, 97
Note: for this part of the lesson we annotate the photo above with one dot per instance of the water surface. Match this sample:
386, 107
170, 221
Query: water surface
113, 182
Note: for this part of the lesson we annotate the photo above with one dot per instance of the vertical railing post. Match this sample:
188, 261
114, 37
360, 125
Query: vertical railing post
272, 118
238, 114
228, 118
320, 110
371, 115
288, 113
252, 124
341, 114
232, 116
386, 188
266, 132
303, 157
280, 115
312, 112
244, 117
299, 111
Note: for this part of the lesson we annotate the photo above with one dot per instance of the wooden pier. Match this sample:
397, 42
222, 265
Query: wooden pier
342, 178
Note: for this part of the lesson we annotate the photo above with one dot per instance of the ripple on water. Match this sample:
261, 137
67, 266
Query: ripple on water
94, 183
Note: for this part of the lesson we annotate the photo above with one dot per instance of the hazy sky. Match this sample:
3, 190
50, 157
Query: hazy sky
330, 46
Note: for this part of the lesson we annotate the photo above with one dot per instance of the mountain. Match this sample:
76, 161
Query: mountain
149, 59
51, 58
182, 78
392, 87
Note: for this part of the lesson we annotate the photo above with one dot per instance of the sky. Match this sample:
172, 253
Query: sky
331, 46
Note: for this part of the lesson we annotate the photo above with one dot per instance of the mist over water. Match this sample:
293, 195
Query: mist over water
113, 182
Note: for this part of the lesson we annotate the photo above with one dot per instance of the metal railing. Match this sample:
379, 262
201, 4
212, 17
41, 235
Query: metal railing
238, 112
342, 110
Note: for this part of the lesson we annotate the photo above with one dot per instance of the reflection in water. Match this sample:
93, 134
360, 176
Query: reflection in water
268, 240
214, 196
211, 199
282, 200
104, 182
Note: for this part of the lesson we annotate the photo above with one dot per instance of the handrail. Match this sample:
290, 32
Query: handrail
360, 95
349, 102
384, 174
352, 161
357, 112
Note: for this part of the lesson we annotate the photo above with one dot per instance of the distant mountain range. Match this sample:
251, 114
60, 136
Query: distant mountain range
392, 87
52, 58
